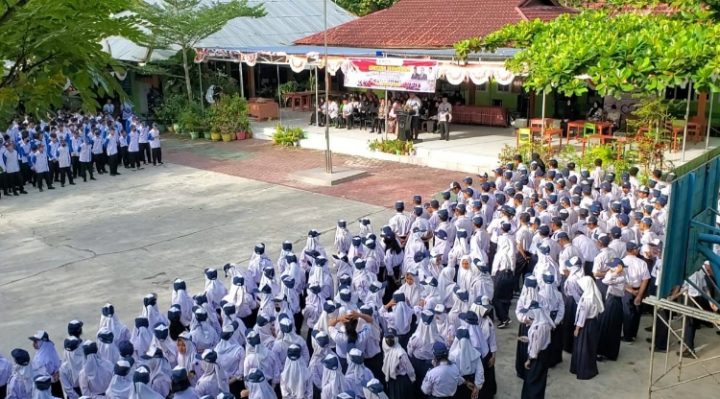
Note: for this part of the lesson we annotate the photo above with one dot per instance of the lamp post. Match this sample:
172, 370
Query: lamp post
328, 154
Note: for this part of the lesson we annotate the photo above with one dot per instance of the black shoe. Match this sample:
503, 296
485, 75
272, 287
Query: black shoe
72, 183
648, 340
23, 192
628, 339
41, 190
92, 178
15, 193
600, 358
161, 163
51, 188
62, 184
85, 180
648, 329
57, 180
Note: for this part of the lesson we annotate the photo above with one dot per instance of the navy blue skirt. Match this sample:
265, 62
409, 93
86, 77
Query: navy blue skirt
400, 388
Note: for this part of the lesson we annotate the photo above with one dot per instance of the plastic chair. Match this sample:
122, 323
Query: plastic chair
589, 127
523, 136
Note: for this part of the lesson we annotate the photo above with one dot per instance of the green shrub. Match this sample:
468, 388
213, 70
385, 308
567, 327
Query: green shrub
397, 147
170, 109
229, 115
287, 136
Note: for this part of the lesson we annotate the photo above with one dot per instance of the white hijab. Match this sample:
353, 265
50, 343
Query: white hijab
342, 239
182, 298
333, 382
465, 356
98, 372
121, 387
294, 377
141, 339
465, 276
75, 360
392, 356
401, 317
230, 357
213, 379
143, 391
113, 323
591, 294
47, 357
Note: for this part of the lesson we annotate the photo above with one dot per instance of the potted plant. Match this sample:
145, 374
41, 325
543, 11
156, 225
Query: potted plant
190, 121
228, 117
168, 113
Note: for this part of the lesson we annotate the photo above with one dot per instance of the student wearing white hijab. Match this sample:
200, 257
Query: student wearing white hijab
333, 380
554, 304
215, 290
342, 237
202, 333
110, 321
584, 358
311, 244
295, 381
374, 390
244, 302
460, 248
73, 360
398, 316
231, 357
528, 294
286, 338
46, 360
161, 340
258, 356
258, 261
482, 283
160, 371
320, 275
466, 273
362, 279
151, 312
20, 385
5, 372
460, 306
181, 386
96, 373
141, 337
357, 374
420, 344
42, 388
398, 371
186, 357
141, 389
106, 346
201, 301
213, 381
182, 298
539, 337
321, 345
121, 385
257, 386
469, 361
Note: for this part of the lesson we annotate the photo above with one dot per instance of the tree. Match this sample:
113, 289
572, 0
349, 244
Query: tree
47, 44
181, 24
364, 7
618, 50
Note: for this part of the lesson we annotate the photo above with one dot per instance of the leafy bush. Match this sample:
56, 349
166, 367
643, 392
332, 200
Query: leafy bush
229, 115
169, 111
192, 119
397, 147
287, 136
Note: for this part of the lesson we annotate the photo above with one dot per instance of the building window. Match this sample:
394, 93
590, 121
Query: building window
481, 87
503, 88
679, 93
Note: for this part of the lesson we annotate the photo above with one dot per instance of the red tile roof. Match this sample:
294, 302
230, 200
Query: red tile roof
434, 23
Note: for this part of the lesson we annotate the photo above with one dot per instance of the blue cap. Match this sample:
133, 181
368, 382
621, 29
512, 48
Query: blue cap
255, 376
331, 362
440, 349
441, 234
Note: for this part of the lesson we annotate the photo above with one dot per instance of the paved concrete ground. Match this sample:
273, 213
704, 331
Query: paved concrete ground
64, 253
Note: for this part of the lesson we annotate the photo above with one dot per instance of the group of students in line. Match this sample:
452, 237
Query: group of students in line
68, 146
409, 311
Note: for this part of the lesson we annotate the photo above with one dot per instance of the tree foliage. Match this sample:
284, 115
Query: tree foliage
364, 7
48, 43
617, 51
181, 24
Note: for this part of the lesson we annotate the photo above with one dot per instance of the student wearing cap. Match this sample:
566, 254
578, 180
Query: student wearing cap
538, 351
601, 261
611, 319
141, 336
503, 271
20, 384
637, 278
121, 385
231, 357
419, 347
333, 380
141, 388
295, 381
258, 387
214, 380
443, 380
106, 347
399, 372
181, 386
357, 375
42, 388
584, 357
554, 304
400, 223
258, 356
469, 362
96, 373
46, 360
523, 240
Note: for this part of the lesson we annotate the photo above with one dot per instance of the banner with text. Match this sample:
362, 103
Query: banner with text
393, 74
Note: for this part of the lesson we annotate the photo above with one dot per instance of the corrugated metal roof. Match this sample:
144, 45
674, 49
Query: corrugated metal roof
284, 22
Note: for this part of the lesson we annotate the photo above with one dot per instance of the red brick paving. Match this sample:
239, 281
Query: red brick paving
385, 183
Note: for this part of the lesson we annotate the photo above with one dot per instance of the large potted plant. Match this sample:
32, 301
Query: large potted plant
168, 113
228, 117
190, 121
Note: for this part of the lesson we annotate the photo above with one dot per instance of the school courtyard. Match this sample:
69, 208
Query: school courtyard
67, 252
